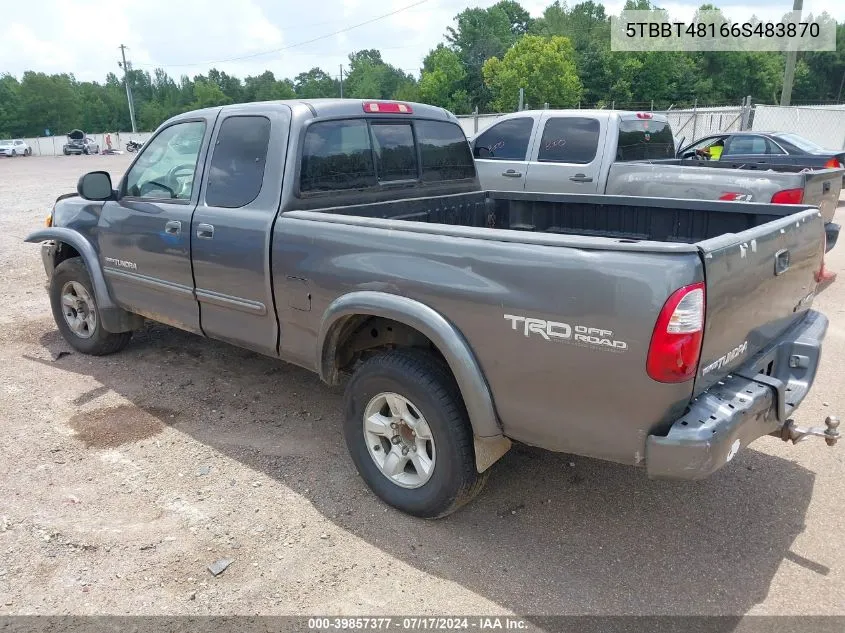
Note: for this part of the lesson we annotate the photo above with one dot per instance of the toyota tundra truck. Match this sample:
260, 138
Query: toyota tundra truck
352, 238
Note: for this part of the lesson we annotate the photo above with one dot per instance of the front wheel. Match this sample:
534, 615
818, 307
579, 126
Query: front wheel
409, 435
76, 313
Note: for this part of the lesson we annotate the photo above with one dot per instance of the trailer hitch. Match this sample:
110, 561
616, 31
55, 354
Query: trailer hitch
794, 433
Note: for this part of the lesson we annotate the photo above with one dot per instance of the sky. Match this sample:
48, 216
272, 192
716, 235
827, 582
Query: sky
188, 37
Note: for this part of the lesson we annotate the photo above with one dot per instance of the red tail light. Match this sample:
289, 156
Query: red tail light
788, 196
676, 341
833, 164
387, 107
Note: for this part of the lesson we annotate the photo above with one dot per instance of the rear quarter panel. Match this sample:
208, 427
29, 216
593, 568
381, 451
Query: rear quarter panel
562, 395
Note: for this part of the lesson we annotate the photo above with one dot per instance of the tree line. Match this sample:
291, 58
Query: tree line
562, 58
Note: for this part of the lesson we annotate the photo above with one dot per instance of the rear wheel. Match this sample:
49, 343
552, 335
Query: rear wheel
76, 313
409, 435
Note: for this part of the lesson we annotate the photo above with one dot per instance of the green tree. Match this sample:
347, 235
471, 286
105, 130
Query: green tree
208, 94
314, 84
543, 66
371, 78
10, 107
480, 34
48, 101
265, 87
442, 81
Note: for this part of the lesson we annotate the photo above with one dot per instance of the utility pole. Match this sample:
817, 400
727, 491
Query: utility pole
789, 69
341, 81
126, 68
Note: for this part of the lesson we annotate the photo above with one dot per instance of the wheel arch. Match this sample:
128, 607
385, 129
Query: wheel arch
115, 319
348, 312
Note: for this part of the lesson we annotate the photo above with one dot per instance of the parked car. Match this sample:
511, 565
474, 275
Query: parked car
15, 147
352, 238
765, 148
78, 143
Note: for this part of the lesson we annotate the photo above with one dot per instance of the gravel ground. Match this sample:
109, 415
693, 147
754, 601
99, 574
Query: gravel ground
123, 477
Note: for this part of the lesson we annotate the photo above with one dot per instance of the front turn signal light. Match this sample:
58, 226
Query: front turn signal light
48, 221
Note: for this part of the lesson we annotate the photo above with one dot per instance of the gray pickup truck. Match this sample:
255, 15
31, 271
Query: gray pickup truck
633, 154
352, 238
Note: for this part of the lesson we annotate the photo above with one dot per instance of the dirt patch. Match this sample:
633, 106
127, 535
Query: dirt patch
114, 426
34, 332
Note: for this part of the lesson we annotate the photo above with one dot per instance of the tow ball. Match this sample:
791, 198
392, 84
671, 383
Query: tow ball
792, 432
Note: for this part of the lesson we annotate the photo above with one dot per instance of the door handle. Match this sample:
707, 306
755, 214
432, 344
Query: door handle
580, 178
173, 228
512, 173
205, 231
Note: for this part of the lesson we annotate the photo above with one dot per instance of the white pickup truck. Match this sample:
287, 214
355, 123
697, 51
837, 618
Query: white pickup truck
632, 153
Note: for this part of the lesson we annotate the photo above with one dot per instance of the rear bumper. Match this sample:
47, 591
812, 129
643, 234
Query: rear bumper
741, 408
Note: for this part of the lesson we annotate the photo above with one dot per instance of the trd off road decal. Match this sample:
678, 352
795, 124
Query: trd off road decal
565, 333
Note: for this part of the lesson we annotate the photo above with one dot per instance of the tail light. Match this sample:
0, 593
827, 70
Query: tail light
644, 115
387, 107
833, 164
788, 196
676, 341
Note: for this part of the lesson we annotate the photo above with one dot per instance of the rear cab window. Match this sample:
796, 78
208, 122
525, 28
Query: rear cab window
644, 139
374, 153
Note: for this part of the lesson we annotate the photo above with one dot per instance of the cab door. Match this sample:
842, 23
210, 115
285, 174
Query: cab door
501, 154
232, 225
145, 235
566, 159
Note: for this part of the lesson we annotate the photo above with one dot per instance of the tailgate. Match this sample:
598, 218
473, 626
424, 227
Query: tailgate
758, 283
821, 189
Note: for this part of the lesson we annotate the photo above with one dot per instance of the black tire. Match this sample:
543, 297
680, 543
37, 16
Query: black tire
427, 383
100, 342
14, 153
65, 151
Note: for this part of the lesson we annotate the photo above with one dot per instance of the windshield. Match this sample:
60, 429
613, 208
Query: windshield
800, 142
5, 143
644, 139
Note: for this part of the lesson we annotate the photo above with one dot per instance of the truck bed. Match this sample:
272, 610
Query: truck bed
623, 218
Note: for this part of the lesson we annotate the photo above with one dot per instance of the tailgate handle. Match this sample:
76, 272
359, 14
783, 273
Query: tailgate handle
825, 186
781, 261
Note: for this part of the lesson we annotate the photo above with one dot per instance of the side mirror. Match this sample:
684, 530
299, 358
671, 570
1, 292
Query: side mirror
95, 185
482, 152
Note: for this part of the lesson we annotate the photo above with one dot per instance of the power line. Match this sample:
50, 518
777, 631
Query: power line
285, 48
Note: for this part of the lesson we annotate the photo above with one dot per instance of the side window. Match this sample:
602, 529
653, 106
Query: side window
336, 155
773, 148
396, 155
745, 144
237, 164
569, 140
507, 140
167, 164
445, 152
